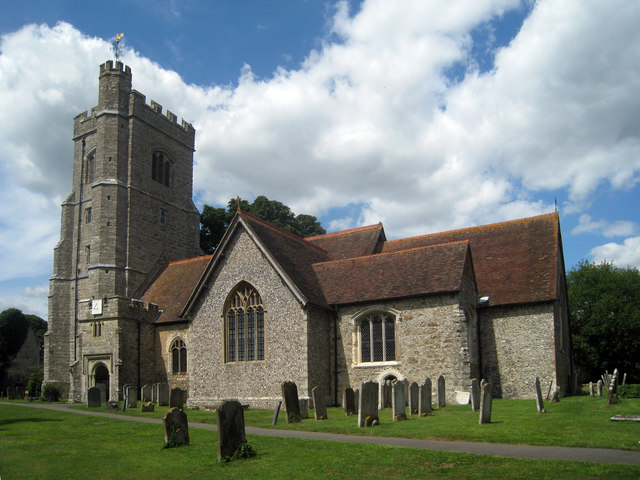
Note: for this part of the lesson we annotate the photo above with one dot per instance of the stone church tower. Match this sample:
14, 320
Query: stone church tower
130, 211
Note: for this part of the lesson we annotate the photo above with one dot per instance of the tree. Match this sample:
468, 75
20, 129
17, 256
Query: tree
214, 221
13, 332
604, 305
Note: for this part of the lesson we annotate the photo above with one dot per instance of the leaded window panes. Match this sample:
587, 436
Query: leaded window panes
377, 338
178, 356
245, 325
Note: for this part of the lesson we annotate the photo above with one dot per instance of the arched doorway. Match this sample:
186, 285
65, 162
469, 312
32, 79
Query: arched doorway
386, 390
101, 380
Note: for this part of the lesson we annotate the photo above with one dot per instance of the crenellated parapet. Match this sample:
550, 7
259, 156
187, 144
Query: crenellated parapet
118, 68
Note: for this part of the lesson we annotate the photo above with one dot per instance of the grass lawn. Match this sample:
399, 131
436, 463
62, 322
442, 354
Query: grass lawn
579, 421
43, 444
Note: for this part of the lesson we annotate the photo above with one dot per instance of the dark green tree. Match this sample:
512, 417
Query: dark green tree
214, 221
13, 332
604, 304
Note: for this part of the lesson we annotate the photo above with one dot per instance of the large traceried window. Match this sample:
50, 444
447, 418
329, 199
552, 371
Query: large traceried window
244, 322
377, 337
179, 356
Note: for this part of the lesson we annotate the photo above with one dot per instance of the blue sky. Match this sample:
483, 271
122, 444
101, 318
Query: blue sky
424, 115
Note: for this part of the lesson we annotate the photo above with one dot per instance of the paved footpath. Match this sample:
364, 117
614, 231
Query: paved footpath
597, 455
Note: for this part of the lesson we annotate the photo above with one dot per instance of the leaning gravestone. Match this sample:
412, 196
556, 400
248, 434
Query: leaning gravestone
291, 402
442, 396
539, 402
556, 395
475, 395
356, 397
177, 397
349, 401
276, 412
176, 427
398, 402
146, 393
230, 428
368, 404
414, 395
485, 402
424, 407
319, 405
163, 394
613, 396
93, 397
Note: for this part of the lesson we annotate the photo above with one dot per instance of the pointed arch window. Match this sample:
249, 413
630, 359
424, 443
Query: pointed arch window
161, 168
90, 167
179, 356
244, 325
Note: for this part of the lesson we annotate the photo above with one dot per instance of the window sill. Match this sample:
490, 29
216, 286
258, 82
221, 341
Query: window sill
377, 364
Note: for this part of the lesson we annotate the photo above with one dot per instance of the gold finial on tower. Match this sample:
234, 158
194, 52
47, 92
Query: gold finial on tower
117, 48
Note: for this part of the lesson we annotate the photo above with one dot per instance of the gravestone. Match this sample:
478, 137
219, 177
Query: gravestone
424, 401
475, 395
613, 397
93, 397
385, 394
163, 394
230, 428
291, 402
442, 395
103, 392
148, 407
405, 383
113, 406
356, 397
132, 397
124, 402
304, 407
145, 394
176, 427
556, 395
319, 405
177, 397
414, 398
539, 402
368, 404
462, 398
276, 412
591, 390
549, 389
154, 393
485, 402
398, 402
599, 388
349, 401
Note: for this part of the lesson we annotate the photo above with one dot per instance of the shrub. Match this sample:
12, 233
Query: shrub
50, 393
35, 383
629, 391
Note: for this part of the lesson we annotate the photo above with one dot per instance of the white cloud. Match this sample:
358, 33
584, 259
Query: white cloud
619, 228
31, 300
626, 254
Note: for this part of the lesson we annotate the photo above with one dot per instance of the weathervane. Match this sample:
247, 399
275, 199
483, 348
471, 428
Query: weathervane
116, 45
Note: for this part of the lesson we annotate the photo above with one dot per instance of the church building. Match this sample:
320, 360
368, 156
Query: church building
133, 302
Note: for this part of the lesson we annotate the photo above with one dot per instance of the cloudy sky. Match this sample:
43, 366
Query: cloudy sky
425, 115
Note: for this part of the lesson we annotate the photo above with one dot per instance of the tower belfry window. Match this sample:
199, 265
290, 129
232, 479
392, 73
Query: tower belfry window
90, 167
161, 168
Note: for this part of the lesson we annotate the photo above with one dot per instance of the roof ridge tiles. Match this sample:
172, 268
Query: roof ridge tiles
281, 230
397, 252
477, 227
346, 232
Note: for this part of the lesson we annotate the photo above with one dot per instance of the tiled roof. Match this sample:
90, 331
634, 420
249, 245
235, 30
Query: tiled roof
417, 271
514, 262
173, 287
356, 242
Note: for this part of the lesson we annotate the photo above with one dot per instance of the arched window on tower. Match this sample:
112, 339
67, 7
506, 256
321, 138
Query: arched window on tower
179, 356
161, 168
244, 325
89, 168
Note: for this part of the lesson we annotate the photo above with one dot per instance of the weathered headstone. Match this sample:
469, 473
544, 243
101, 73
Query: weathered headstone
276, 412
475, 394
148, 407
145, 395
556, 395
349, 401
154, 393
103, 392
591, 390
132, 397
549, 389
398, 402
304, 407
368, 404
230, 428
425, 407
291, 402
177, 397
93, 397
163, 394
113, 406
414, 398
613, 397
319, 405
599, 388
356, 397
461, 397
442, 395
485, 402
405, 384
176, 427
539, 402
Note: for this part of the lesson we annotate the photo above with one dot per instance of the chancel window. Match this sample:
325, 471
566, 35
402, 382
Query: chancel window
160, 168
244, 317
179, 356
377, 338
